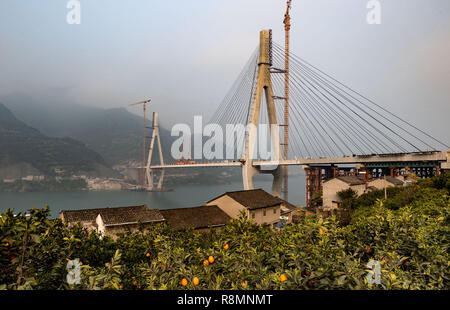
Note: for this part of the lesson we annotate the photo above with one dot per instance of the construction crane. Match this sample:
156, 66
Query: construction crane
287, 28
144, 103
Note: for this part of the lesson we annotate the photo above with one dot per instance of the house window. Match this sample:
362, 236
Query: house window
253, 215
334, 204
275, 211
264, 212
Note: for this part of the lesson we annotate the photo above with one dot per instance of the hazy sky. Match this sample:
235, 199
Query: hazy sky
185, 54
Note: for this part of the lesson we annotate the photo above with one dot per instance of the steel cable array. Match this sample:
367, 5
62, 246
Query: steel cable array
326, 117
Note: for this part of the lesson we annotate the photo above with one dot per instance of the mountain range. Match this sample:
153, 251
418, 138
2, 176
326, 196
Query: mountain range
115, 134
25, 150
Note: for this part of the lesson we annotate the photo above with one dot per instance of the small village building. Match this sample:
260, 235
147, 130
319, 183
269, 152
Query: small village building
110, 221
287, 210
200, 218
384, 182
331, 188
258, 205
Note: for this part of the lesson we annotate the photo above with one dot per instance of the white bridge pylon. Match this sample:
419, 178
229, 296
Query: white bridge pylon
149, 173
263, 84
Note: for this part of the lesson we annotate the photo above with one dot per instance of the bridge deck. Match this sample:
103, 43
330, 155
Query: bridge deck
365, 159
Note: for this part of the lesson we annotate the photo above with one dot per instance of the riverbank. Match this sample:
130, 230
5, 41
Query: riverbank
182, 196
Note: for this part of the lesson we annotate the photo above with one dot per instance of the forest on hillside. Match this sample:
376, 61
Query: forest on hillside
407, 234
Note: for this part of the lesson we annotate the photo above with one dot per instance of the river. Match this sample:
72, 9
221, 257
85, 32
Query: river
183, 195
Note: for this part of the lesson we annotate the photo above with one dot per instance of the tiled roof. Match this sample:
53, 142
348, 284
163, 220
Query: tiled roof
394, 181
289, 205
72, 216
114, 216
253, 199
351, 180
389, 179
195, 217
122, 215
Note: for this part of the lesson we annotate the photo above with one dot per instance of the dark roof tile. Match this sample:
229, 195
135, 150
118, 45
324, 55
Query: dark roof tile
114, 216
350, 179
195, 217
253, 199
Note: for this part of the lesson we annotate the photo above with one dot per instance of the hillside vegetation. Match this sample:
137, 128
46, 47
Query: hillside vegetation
25, 150
408, 234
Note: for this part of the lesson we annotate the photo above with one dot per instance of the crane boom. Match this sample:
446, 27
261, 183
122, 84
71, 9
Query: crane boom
144, 103
287, 28
140, 102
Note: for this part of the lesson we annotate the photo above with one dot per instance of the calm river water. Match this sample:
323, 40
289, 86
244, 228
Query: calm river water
183, 195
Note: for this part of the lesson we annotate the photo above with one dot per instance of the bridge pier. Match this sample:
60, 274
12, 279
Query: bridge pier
248, 171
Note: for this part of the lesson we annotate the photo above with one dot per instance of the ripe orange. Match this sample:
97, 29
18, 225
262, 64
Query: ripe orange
226, 247
184, 282
148, 254
205, 263
211, 259
121, 287
195, 281
283, 278
6, 244
368, 250
134, 282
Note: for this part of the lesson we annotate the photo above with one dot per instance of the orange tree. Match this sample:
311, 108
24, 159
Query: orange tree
408, 234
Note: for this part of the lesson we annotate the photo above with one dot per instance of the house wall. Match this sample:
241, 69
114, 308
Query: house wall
100, 225
381, 183
269, 218
334, 186
228, 205
233, 209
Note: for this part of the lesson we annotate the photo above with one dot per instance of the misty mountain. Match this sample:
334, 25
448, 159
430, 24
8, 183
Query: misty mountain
115, 134
24, 150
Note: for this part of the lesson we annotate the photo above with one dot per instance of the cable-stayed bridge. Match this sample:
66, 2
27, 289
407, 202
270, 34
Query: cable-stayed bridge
327, 127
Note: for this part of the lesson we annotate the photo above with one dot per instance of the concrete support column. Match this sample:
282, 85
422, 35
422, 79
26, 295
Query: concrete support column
263, 86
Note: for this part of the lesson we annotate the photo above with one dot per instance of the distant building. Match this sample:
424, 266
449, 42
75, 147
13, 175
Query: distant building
258, 205
331, 188
110, 221
197, 218
381, 183
101, 184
